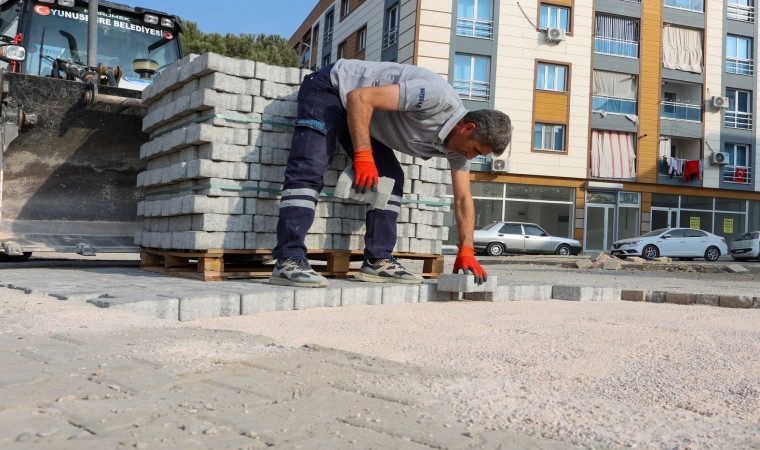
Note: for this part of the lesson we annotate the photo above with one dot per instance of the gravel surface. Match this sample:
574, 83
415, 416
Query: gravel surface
597, 374
594, 374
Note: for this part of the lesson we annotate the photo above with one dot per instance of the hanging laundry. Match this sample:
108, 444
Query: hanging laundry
675, 167
691, 170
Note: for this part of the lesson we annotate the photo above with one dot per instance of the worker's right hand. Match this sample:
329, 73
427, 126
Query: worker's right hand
366, 171
468, 264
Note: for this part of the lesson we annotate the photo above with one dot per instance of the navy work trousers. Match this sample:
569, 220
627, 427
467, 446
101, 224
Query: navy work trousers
320, 126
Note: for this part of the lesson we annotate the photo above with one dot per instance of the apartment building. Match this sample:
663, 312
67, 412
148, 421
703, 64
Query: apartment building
628, 115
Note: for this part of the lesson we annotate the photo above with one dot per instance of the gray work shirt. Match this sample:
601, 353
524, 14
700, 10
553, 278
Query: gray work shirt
428, 107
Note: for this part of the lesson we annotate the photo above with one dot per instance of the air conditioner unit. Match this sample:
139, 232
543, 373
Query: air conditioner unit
499, 165
720, 158
719, 102
555, 34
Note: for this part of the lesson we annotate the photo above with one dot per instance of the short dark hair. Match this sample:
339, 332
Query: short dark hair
492, 128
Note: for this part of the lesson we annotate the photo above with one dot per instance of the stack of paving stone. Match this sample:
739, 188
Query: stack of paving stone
220, 131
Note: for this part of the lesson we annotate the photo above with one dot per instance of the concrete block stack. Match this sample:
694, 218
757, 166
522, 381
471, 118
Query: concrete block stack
220, 130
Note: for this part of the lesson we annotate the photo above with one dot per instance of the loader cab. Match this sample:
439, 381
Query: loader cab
53, 29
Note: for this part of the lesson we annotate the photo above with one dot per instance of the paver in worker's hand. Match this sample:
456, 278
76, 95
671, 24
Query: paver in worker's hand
378, 199
457, 282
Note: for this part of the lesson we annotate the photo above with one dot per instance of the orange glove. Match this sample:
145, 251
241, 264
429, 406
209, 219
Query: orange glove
366, 171
467, 263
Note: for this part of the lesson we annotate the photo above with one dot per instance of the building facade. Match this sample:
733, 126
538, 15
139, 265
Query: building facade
628, 115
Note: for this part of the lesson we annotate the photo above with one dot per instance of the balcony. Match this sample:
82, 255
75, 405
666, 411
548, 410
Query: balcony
736, 175
616, 47
482, 29
473, 90
738, 119
742, 13
680, 162
613, 105
691, 5
740, 66
390, 38
681, 111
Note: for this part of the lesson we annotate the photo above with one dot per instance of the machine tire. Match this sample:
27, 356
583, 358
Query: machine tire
15, 258
650, 252
712, 253
563, 250
495, 249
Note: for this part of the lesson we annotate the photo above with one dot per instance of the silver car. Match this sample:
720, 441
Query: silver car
680, 243
746, 246
520, 237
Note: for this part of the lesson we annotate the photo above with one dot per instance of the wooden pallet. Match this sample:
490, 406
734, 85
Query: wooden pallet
219, 264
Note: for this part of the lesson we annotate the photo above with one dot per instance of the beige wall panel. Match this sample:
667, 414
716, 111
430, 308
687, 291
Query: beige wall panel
435, 34
437, 65
435, 18
434, 50
714, 45
437, 5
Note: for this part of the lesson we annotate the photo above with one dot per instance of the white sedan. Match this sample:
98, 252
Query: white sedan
681, 243
746, 246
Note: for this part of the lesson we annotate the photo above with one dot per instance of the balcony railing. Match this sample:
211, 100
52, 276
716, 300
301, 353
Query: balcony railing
691, 5
736, 174
327, 35
740, 66
680, 111
613, 105
617, 47
390, 37
738, 119
473, 90
475, 28
742, 13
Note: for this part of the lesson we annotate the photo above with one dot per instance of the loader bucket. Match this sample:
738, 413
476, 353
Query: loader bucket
69, 182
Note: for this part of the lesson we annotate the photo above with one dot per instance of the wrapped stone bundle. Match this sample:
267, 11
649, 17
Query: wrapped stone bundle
220, 130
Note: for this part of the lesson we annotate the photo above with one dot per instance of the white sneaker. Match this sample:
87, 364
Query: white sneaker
296, 272
386, 270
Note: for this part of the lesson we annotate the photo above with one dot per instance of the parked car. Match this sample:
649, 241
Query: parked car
521, 237
680, 243
746, 246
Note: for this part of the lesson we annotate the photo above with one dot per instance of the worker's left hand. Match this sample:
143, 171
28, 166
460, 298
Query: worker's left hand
467, 263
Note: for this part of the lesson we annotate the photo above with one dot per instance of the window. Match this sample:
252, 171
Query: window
738, 170
345, 8
742, 10
551, 77
739, 55
738, 113
532, 230
511, 228
342, 50
616, 35
549, 137
329, 26
475, 19
613, 155
326, 60
691, 5
315, 39
682, 49
615, 93
390, 32
471, 77
554, 17
362, 39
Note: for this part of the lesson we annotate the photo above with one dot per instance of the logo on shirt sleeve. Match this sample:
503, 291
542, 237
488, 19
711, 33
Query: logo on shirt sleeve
420, 99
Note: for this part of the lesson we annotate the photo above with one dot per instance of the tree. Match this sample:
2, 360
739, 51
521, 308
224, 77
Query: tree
269, 49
